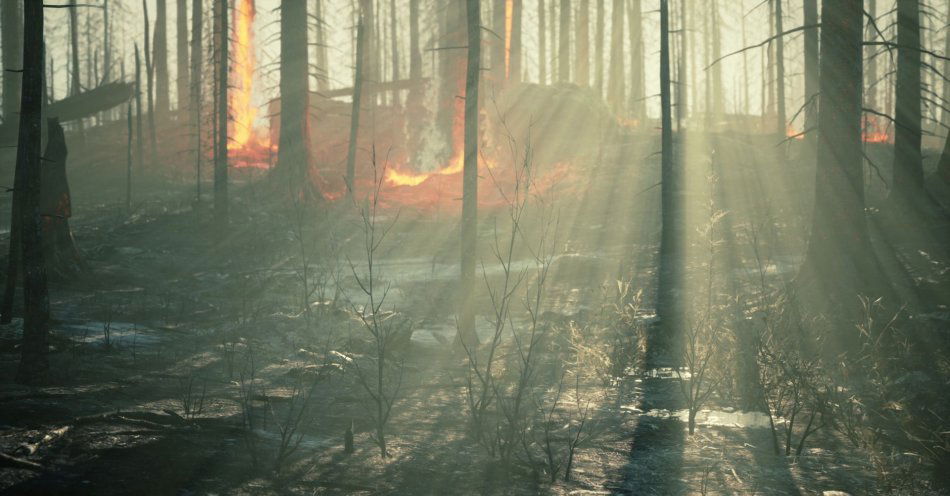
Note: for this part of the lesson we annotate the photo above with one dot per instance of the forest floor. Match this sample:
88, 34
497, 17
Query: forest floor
172, 342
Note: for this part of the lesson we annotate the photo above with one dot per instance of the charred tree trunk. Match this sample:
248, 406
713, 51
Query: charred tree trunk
564, 43
293, 154
469, 229
839, 261
149, 77
160, 59
542, 45
599, 50
11, 32
221, 112
197, 13
182, 80
355, 112
615, 93
55, 203
415, 55
908, 180
669, 308
637, 68
582, 45
811, 76
34, 362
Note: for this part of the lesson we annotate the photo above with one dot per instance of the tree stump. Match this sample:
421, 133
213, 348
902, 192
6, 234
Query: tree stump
60, 252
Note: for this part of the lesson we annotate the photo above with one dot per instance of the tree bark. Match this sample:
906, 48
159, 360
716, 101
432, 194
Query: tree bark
498, 42
11, 37
811, 75
515, 43
160, 59
870, 73
182, 80
781, 120
293, 154
106, 44
197, 13
34, 362
323, 69
150, 93
394, 52
908, 174
637, 68
469, 229
542, 45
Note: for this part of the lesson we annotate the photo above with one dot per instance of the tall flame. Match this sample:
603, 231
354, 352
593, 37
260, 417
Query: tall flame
243, 111
509, 7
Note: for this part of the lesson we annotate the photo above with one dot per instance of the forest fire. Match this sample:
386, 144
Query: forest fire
874, 131
248, 146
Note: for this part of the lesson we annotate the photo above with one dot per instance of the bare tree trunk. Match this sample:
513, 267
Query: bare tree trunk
542, 47
582, 45
11, 32
106, 44
149, 77
34, 364
811, 74
839, 258
498, 42
394, 53
908, 182
75, 84
160, 59
128, 161
197, 13
182, 80
221, 150
669, 308
370, 53
615, 93
323, 74
293, 154
781, 120
599, 50
637, 68
466, 323
682, 98
515, 43
139, 141
564, 43
870, 73
355, 111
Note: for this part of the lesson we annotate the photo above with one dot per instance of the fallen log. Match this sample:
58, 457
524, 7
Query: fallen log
85, 104
14, 462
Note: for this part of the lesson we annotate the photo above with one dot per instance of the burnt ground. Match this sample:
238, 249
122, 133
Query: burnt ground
174, 341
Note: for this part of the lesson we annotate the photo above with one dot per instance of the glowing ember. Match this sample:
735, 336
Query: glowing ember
248, 146
792, 133
874, 131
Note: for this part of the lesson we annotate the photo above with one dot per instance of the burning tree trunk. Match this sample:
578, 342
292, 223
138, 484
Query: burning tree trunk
514, 43
160, 59
355, 111
221, 112
466, 319
669, 308
582, 45
615, 91
599, 50
196, 59
293, 154
542, 46
34, 363
55, 205
839, 259
638, 85
908, 182
183, 85
11, 31
564, 43
781, 121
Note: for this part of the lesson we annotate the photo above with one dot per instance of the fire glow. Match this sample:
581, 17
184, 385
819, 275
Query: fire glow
247, 146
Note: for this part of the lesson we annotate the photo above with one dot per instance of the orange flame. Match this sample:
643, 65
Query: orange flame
248, 145
509, 6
